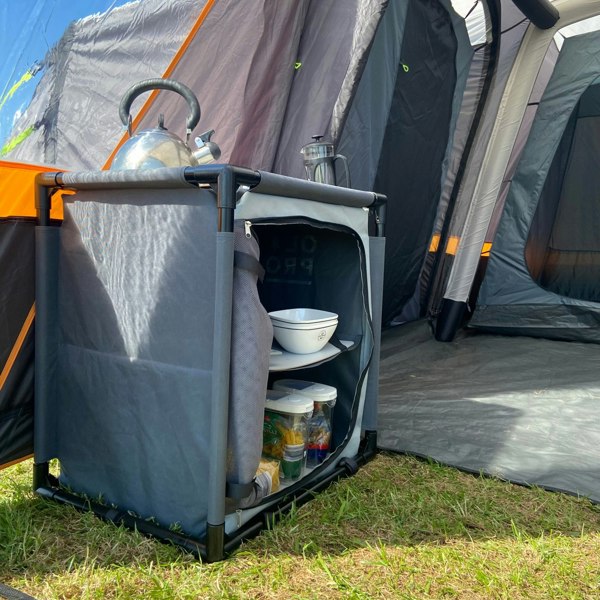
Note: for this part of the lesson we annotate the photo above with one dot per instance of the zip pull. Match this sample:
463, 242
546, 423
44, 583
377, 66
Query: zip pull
247, 228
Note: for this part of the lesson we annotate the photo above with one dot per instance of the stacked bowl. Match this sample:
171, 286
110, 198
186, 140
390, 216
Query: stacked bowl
303, 330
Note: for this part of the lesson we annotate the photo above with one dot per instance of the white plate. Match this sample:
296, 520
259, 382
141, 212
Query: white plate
288, 360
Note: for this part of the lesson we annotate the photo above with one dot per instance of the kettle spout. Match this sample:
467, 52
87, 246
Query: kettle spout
207, 150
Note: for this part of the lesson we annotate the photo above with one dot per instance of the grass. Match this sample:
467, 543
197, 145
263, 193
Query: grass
401, 528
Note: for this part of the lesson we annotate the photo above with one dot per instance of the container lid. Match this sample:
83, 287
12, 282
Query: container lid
286, 403
317, 391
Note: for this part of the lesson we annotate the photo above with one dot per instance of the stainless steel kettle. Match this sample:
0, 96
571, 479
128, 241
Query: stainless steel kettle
319, 162
158, 147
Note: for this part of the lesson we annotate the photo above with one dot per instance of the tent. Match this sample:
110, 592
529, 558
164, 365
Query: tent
521, 405
552, 249
431, 101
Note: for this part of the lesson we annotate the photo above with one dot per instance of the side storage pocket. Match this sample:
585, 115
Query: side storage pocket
251, 338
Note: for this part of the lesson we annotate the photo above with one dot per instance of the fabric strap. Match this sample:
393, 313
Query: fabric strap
244, 261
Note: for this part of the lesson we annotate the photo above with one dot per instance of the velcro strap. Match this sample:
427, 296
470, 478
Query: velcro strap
244, 261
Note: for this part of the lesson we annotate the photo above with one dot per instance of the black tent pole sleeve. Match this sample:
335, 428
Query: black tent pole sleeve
46, 261
451, 319
540, 12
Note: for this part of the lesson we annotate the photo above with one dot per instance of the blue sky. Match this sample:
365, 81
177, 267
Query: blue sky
28, 29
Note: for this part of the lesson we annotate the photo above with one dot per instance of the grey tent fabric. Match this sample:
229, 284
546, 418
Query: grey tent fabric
510, 300
101, 43
244, 98
269, 79
470, 71
336, 39
362, 136
518, 408
403, 128
540, 85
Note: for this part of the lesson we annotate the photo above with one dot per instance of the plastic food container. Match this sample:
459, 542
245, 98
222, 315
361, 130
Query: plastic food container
320, 424
285, 430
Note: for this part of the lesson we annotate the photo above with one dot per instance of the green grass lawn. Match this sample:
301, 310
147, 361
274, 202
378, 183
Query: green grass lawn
401, 528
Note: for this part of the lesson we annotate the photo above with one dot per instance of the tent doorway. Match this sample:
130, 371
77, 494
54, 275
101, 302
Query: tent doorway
563, 247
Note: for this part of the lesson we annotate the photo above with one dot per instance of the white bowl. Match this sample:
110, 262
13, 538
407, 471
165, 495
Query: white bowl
303, 341
303, 325
303, 315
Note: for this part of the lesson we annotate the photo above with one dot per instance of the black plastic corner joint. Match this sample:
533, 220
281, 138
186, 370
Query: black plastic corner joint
226, 186
215, 542
226, 197
370, 443
349, 465
41, 475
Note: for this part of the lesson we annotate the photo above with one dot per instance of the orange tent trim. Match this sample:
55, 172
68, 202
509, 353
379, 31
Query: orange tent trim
12, 357
15, 462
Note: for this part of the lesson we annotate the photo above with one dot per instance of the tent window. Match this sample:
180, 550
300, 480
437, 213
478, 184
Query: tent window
563, 248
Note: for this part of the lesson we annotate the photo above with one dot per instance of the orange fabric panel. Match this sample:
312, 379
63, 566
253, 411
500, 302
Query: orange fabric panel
17, 190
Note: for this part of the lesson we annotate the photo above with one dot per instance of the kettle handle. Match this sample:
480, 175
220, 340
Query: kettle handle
160, 84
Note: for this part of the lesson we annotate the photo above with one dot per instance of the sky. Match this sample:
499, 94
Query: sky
28, 29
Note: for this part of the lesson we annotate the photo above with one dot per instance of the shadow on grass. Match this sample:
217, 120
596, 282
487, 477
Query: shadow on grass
40, 536
404, 501
394, 500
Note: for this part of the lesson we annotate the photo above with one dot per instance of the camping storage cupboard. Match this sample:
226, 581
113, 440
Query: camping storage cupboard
153, 349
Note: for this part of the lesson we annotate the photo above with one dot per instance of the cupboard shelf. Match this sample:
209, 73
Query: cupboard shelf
287, 361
